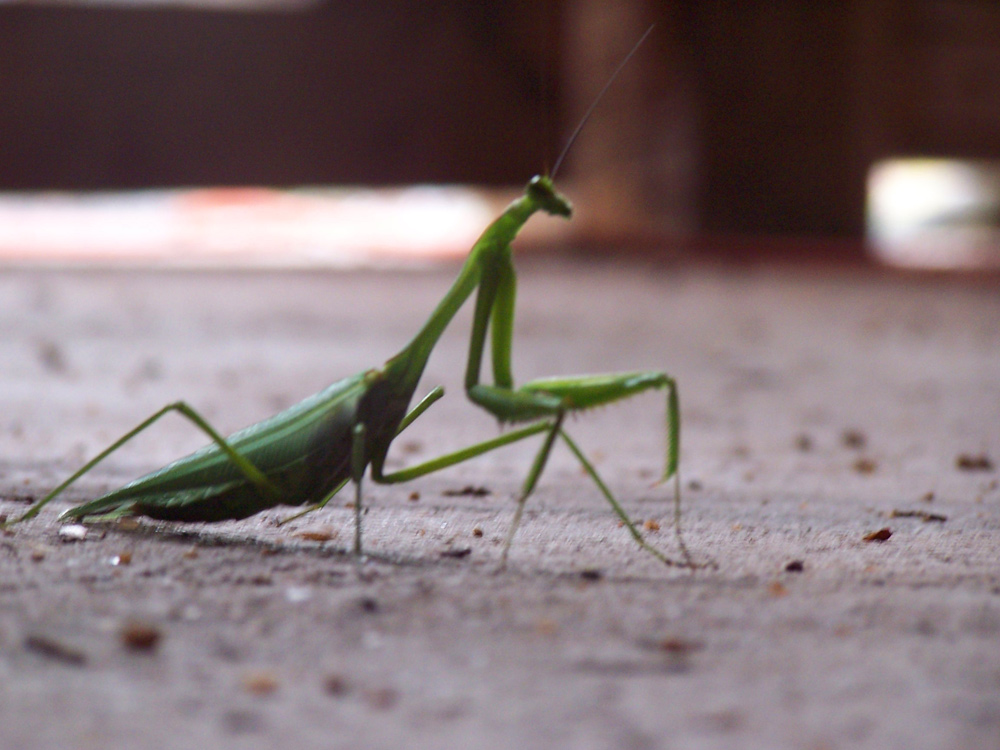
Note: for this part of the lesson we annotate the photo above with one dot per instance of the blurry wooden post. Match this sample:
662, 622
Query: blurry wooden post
632, 173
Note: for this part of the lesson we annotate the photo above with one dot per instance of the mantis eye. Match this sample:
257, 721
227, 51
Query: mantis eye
547, 198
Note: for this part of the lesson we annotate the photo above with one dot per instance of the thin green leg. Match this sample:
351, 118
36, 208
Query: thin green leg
412, 472
357, 474
417, 410
251, 472
564, 394
529, 484
459, 456
424, 404
620, 511
321, 504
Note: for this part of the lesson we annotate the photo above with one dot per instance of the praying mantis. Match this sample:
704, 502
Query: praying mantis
305, 455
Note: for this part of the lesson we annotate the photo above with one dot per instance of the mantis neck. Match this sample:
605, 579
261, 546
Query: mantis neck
494, 243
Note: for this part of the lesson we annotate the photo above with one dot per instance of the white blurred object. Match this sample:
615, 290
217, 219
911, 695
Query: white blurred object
232, 227
935, 213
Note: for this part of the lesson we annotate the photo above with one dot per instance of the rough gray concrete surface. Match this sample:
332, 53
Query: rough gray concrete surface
819, 406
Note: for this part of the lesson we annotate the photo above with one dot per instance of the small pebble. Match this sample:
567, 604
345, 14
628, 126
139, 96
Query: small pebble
73, 532
881, 535
55, 649
967, 462
865, 466
334, 684
260, 682
322, 534
776, 588
140, 636
854, 439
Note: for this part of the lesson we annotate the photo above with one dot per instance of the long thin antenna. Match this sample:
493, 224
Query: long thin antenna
597, 100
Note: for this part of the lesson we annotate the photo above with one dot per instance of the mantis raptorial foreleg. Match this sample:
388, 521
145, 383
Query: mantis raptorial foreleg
554, 397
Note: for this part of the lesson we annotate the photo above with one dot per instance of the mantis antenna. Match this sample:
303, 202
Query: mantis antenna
597, 100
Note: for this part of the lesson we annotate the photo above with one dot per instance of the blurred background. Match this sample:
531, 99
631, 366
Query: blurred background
760, 121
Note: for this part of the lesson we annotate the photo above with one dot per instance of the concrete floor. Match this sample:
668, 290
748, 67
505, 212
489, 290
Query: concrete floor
820, 405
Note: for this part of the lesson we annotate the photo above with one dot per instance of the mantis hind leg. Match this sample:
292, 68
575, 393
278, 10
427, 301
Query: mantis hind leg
252, 473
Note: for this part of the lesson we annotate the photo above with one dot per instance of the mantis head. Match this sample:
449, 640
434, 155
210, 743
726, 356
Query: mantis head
546, 198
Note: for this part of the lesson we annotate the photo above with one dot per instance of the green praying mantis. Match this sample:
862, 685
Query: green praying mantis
305, 455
